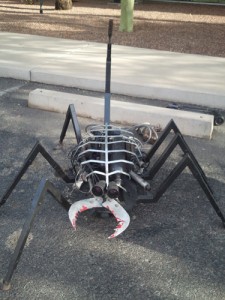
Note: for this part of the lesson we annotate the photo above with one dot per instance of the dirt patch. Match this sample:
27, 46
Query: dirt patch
186, 28
13, 239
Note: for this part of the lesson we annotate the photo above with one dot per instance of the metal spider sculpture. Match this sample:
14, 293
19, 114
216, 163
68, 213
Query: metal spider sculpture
110, 160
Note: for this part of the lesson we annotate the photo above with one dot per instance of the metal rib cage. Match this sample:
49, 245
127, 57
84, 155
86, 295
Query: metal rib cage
108, 150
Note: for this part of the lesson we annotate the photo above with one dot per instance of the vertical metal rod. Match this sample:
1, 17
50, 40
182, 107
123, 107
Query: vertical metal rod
106, 156
108, 76
41, 9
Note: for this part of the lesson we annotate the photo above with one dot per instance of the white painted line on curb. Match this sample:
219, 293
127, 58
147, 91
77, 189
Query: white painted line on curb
190, 123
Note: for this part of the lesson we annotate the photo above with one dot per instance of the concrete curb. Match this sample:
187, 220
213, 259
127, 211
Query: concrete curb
192, 124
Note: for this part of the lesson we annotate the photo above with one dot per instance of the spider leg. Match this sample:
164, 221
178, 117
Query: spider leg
177, 140
44, 187
71, 115
38, 148
188, 160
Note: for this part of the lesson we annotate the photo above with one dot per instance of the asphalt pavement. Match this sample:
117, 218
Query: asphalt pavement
173, 249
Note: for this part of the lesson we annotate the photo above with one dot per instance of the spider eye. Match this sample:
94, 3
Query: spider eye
99, 188
113, 190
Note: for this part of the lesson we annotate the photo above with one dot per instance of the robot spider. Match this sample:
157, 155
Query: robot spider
110, 161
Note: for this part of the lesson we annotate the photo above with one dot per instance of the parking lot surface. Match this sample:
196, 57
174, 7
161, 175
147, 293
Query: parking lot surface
173, 249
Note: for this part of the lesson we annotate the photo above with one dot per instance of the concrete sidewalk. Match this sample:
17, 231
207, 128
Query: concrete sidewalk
135, 72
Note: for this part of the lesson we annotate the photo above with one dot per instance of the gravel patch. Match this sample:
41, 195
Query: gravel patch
185, 28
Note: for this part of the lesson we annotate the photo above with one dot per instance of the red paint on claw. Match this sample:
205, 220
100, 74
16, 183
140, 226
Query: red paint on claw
74, 220
120, 225
74, 223
83, 208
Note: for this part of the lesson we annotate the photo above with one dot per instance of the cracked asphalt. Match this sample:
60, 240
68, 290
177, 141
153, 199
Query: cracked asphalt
173, 249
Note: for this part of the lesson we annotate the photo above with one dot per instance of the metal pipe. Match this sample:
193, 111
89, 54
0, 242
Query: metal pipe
140, 180
108, 76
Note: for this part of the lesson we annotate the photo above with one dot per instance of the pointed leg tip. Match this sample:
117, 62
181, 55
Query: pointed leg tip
4, 286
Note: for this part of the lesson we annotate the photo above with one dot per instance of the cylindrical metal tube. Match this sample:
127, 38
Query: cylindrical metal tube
139, 180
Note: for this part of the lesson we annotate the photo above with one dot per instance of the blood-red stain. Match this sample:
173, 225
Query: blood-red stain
83, 208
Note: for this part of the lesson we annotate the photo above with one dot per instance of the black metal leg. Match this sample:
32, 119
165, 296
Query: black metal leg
71, 115
188, 162
178, 139
206, 188
170, 126
170, 179
158, 164
45, 186
38, 148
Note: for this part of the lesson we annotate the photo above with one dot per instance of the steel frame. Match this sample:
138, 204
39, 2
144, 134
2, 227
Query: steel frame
46, 186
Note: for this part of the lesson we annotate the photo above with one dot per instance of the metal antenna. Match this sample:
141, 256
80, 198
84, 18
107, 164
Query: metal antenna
108, 76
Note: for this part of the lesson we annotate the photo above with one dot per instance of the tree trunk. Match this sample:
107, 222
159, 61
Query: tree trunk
63, 4
126, 16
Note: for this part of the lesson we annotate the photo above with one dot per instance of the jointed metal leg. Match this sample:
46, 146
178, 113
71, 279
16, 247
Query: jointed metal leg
188, 160
38, 148
178, 139
45, 186
71, 115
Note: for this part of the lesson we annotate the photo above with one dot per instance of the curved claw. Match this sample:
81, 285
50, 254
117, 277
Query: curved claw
120, 214
112, 205
82, 205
